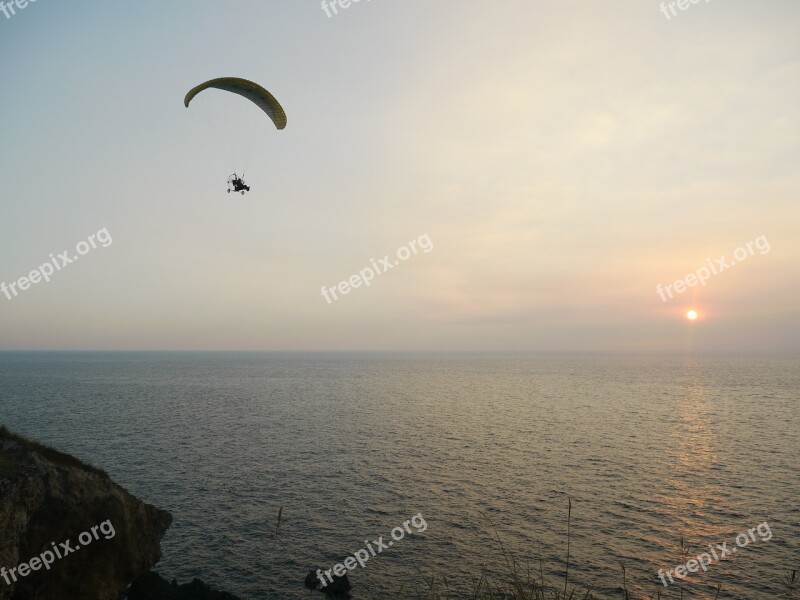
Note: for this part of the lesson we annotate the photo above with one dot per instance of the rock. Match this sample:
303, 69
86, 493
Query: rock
312, 581
339, 587
47, 499
152, 586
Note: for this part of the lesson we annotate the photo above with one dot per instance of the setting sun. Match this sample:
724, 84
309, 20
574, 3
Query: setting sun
691, 315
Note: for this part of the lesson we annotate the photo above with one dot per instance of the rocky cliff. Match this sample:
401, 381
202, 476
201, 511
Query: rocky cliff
66, 530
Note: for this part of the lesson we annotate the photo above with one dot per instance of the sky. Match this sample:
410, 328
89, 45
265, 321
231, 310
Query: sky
559, 159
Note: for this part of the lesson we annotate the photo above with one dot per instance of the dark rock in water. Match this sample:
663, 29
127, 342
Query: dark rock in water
312, 581
339, 587
152, 586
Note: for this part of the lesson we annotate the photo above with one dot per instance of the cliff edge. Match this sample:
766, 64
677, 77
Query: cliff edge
66, 530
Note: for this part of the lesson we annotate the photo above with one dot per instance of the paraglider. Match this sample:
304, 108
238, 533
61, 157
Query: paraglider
257, 95
238, 184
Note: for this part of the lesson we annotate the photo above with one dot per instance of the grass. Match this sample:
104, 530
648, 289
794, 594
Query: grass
7, 467
519, 583
525, 584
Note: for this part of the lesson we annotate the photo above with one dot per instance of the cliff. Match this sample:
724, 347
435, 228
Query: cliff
66, 530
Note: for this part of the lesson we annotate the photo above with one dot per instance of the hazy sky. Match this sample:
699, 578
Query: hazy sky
563, 157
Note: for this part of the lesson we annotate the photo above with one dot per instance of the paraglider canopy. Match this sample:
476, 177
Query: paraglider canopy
247, 89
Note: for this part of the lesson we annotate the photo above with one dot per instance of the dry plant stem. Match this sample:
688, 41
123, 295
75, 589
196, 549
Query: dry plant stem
569, 522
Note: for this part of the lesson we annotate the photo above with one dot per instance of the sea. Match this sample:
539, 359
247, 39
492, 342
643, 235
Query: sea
595, 470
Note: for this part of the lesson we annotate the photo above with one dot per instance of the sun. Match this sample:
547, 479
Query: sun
691, 315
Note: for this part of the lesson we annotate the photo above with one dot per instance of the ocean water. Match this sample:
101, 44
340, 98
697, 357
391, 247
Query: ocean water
648, 451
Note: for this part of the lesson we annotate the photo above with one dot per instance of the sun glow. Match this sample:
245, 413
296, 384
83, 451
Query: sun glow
691, 315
